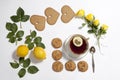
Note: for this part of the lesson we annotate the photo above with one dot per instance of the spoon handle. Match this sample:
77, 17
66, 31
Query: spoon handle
93, 63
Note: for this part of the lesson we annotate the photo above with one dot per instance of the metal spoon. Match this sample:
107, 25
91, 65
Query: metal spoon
92, 51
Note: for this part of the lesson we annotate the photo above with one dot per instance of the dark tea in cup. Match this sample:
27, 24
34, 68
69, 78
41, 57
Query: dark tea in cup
76, 46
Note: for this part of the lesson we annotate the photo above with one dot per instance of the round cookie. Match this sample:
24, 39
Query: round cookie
57, 54
57, 66
82, 66
56, 43
70, 65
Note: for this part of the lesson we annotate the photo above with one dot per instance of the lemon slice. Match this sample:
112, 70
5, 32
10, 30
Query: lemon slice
77, 41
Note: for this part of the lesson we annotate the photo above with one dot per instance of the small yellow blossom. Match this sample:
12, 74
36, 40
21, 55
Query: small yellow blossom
80, 13
104, 27
96, 22
90, 17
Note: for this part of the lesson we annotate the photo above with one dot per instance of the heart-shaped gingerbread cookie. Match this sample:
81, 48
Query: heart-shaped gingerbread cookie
52, 15
67, 14
38, 22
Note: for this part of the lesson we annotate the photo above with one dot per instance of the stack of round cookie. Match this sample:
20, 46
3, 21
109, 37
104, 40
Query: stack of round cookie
57, 66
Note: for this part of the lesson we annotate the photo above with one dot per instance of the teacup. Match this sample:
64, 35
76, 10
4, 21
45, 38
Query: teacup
76, 46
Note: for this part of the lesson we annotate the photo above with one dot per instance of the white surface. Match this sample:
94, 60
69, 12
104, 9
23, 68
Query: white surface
107, 65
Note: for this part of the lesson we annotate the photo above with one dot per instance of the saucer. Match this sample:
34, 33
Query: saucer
67, 51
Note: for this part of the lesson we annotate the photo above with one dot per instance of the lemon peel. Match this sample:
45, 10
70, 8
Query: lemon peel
39, 53
22, 50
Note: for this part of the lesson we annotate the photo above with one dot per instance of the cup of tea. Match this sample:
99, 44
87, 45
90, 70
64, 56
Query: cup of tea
76, 46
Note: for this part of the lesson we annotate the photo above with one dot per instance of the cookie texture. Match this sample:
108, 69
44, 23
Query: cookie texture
56, 42
52, 15
70, 65
82, 66
67, 14
56, 54
38, 22
57, 66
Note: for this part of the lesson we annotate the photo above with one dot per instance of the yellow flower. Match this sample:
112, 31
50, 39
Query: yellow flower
90, 17
104, 27
80, 13
96, 22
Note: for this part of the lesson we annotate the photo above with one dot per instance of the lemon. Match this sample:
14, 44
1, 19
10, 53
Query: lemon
22, 50
77, 41
39, 53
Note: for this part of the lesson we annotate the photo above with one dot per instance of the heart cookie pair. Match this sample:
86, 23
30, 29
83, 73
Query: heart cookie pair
67, 14
39, 21
52, 17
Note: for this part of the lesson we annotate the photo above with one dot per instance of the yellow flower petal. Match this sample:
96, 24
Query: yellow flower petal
90, 17
96, 22
80, 13
104, 27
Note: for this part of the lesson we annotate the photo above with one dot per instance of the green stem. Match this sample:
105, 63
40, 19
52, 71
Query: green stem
30, 31
98, 42
96, 35
15, 61
16, 42
21, 65
20, 24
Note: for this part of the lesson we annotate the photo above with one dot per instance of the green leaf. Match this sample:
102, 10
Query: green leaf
104, 32
37, 40
32, 69
28, 37
90, 31
30, 46
15, 18
33, 34
20, 33
19, 39
25, 18
28, 41
40, 45
20, 12
14, 28
10, 34
21, 72
26, 63
14, 65
11, 27
21, 60
83, 24
8, 26
12, 39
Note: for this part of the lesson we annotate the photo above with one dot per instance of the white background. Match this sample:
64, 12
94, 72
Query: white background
107, 65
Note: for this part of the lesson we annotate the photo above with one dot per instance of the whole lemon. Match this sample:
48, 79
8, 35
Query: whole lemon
22, 51
39, 53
